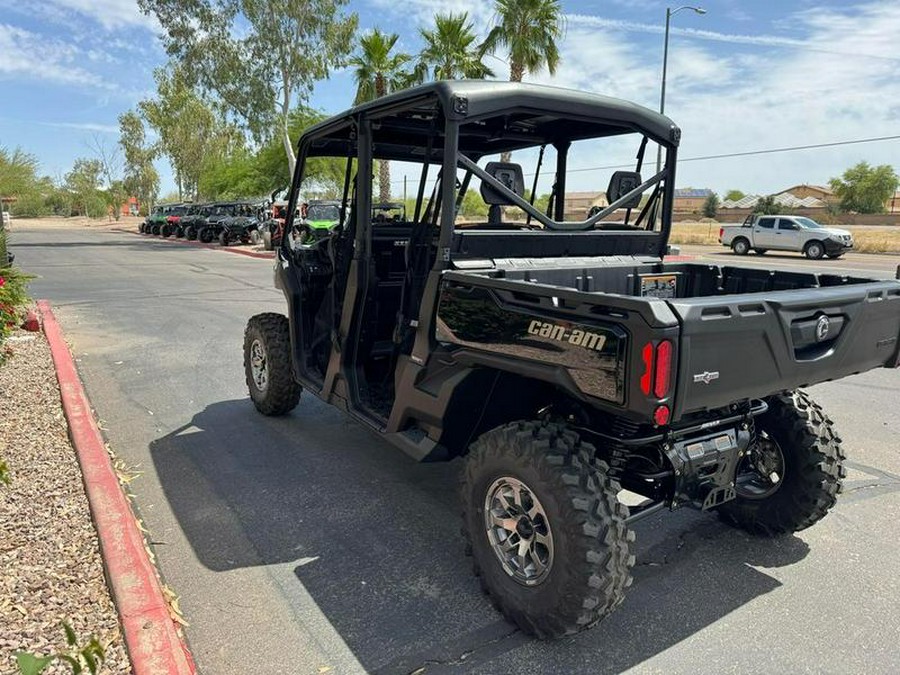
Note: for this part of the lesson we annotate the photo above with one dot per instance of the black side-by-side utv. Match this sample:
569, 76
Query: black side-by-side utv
571, 367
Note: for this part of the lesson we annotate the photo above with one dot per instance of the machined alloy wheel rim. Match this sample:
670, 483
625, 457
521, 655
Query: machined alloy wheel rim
259, 367
815, 251
761, 471
518, 530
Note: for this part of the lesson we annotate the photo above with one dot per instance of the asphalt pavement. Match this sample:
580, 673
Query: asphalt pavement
306, 544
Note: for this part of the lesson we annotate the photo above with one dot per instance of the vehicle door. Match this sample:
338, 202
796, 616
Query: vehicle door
764, 233
790, 235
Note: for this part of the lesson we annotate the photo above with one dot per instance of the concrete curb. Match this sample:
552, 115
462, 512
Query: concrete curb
200, 244
153, 643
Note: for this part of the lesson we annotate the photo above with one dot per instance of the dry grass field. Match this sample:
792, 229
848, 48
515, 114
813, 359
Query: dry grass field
866, 239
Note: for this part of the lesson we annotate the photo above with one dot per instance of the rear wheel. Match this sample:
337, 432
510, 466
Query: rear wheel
190, 233
547, 533
267, 365
205, 235
156, 229
254, 237
740, 246
179, 232
791, 478
223, 238
165, 230
267, 240
814, 250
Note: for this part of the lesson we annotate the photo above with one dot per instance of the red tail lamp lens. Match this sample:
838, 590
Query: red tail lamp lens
663, 369
661, 415
721, 232
647, 377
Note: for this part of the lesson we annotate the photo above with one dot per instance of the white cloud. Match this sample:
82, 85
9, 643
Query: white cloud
782, 94
24, 54
111, 14
84, 126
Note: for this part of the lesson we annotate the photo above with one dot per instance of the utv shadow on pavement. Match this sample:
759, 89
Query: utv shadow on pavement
377, 542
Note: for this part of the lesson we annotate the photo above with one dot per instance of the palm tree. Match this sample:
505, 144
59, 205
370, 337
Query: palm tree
450, 51
528, 29
379, 72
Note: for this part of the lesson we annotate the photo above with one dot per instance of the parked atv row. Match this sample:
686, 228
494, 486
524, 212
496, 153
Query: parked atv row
227, 222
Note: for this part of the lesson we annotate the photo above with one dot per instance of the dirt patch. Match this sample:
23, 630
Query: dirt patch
50, 564
59, 222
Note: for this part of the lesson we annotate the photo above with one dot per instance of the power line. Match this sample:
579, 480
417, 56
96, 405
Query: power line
748, 153
745, 153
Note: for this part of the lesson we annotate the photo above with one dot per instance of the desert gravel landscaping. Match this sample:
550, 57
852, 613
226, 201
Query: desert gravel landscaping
50, 564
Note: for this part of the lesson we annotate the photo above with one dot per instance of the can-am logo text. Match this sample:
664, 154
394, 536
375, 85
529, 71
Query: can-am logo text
576, 336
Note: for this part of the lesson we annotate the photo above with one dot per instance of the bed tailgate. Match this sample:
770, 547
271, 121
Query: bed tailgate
735, 347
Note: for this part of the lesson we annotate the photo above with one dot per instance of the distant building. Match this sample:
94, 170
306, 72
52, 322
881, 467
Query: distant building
892, 205
690, 200
804, 191
579, 203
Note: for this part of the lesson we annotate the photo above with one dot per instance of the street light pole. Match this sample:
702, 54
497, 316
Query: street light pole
662, 94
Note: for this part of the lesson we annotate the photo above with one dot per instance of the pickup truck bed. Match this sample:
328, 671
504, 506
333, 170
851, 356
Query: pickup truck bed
737, 333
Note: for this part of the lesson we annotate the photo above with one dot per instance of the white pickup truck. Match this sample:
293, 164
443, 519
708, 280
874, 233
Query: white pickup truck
786, 233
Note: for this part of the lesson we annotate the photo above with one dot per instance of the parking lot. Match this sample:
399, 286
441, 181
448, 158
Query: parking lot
307, 545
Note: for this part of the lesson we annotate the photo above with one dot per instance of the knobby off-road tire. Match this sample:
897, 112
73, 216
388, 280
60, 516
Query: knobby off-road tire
223, 238
268, 336
190, 233
254, 237
589, 567
267, 240
206, 235
812, 470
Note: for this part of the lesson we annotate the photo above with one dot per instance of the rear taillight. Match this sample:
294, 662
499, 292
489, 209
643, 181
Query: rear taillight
721, 233
647, 377
663, 369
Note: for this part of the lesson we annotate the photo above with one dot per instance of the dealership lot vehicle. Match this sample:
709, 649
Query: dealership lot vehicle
564, 360
786, 233
243, 227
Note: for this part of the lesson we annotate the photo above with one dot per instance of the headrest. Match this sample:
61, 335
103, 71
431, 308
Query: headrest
508, 174
620, 184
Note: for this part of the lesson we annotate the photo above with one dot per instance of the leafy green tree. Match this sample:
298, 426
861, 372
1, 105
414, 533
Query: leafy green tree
141, 177
864, 188
18, 172
767, 206
84, 184
189, 130
377, 72
734, 195
450, 50
258, 57
528, 31
711, 206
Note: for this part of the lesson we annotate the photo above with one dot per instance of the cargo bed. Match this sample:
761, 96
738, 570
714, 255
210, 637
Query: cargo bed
742, 333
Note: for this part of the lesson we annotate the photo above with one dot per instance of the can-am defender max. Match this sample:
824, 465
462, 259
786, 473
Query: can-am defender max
562, 358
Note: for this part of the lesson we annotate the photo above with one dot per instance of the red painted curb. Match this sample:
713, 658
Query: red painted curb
200, 244
154, 645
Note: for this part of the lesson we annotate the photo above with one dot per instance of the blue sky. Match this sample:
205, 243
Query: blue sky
745, 76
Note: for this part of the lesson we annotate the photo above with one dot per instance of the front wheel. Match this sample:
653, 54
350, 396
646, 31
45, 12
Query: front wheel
790, 478
267, 365
205, 235
814, 250
254, 237
223, 238
740, 246
190, 233
267, 240
547, 534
